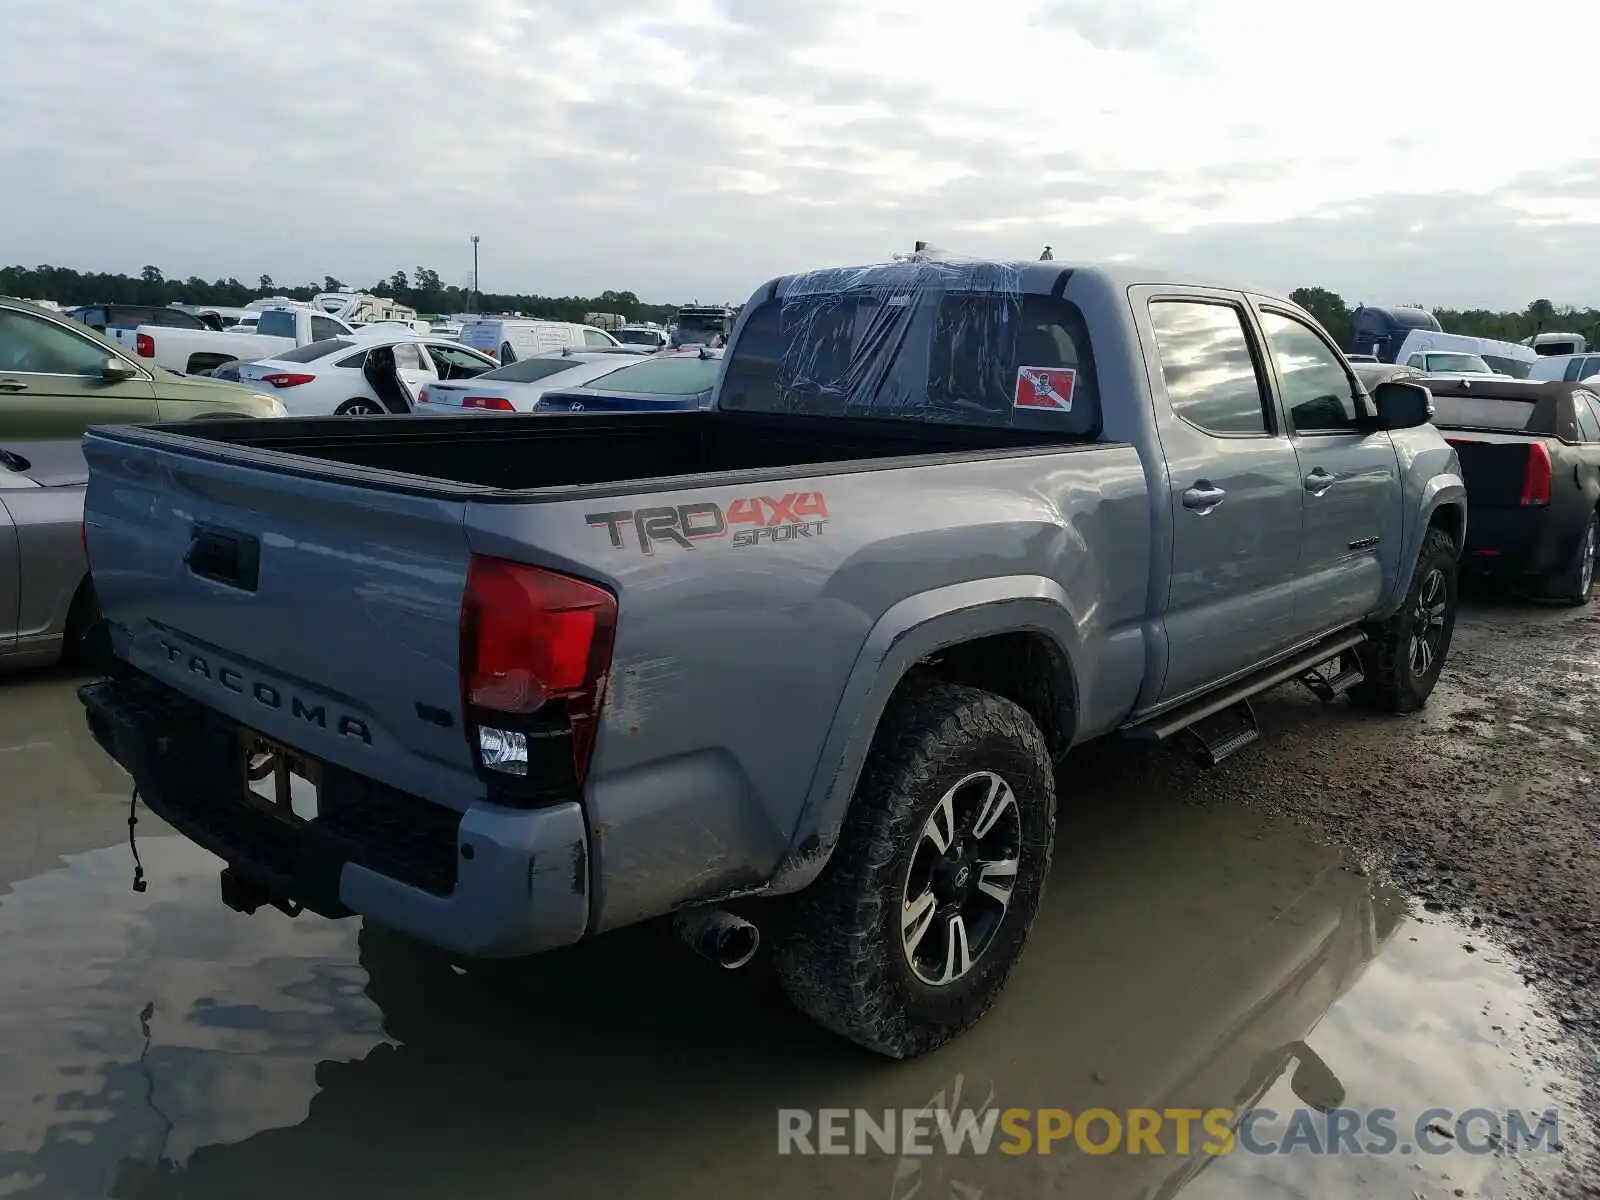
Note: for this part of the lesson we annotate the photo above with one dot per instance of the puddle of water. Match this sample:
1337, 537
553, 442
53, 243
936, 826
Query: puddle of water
1186, 957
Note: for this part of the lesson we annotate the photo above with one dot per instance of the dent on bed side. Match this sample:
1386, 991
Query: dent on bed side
907, 634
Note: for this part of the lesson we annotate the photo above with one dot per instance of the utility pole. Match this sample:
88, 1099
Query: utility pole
474, 272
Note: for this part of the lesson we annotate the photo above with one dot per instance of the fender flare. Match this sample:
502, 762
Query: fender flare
1442, 491
907, 633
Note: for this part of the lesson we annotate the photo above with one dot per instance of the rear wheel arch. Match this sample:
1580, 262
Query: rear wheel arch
1020, 647
1452, 519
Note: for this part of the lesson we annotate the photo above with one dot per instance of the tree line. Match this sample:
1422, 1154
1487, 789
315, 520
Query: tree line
422, 289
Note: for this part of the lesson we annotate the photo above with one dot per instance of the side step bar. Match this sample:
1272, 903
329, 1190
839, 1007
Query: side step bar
1163, 725
1328, 690
1224, 734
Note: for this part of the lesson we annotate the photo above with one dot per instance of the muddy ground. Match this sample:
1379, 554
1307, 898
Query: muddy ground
1488, 807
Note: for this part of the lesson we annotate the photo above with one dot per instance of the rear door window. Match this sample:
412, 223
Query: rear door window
903, 348
1210, 374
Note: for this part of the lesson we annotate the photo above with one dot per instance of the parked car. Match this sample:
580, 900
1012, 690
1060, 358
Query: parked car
674, 380
192, 351
58, 377
47, 605
518, 386
104, 318
328, 377
1451, 363
826, 640
1572, 368
648, 336
510, 340
1530, 454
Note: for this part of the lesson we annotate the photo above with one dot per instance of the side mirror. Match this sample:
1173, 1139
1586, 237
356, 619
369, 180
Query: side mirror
115, 370
1402, 405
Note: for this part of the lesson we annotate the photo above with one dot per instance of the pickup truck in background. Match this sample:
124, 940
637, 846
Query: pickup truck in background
815, 652
196, 351
1530, 454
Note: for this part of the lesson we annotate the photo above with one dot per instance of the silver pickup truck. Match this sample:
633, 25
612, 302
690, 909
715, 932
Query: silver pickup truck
816, 652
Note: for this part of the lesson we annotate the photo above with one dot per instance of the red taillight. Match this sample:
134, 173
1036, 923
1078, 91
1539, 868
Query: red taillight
497, 403
422, 395
1536, 476
286, 379
144, 345
530, 638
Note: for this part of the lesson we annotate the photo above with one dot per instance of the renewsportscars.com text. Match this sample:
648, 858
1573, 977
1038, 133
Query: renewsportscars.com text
1151, 1131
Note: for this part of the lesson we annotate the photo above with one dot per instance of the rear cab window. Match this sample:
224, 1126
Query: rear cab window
928, 342
277, 323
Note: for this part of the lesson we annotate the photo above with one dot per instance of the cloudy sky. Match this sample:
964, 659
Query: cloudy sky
1396, 152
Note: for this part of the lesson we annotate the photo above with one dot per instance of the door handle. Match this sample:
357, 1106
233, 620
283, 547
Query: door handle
1319, 481
12, 385
1202, 497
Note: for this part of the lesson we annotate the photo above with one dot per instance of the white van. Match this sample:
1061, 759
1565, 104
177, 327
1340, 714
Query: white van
511, 340
1503, 358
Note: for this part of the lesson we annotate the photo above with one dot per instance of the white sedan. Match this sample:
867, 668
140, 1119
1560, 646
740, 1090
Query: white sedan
326, 377
516, 387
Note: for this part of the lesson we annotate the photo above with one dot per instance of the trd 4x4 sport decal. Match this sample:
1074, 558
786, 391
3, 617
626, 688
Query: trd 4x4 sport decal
750, 520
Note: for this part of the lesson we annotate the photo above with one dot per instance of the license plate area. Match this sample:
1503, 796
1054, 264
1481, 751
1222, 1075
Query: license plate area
278, 780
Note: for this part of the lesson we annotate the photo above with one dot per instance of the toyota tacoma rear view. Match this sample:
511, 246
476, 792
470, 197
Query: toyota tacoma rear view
816, 652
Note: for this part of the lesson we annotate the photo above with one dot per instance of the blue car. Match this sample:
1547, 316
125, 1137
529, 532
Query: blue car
675, 380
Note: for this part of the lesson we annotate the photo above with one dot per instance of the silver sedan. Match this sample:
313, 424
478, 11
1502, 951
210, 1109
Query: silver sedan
47, 604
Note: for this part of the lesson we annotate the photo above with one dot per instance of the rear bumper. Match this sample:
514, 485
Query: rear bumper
490, 882
1511, 543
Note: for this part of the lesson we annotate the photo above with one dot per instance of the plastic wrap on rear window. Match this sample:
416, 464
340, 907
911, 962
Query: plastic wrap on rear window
956, 343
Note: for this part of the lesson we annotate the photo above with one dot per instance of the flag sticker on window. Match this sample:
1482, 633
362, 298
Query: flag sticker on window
1044, 387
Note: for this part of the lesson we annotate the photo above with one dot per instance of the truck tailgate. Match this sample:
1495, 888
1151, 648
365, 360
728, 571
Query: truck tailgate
265, 596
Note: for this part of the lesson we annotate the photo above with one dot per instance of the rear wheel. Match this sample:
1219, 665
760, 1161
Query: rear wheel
359, 407
1404, 655
1572, 582
910, 933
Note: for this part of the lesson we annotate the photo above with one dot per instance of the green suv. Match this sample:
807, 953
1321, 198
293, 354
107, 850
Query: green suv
58, 377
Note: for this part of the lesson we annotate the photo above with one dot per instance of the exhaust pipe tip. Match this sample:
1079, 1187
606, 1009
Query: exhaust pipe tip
717, 935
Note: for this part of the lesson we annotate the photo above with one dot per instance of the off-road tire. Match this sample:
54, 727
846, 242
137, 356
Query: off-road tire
838, 951
1391, 685
1573, 582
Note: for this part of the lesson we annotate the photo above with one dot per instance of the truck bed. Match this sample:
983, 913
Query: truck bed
466, 456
